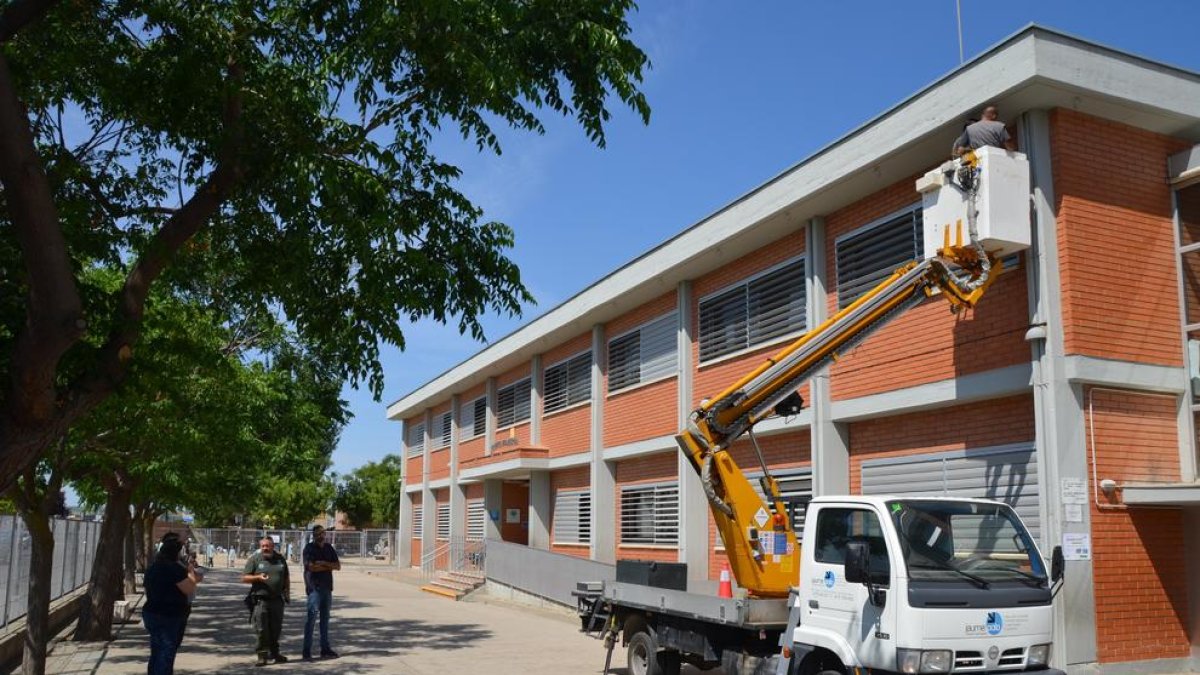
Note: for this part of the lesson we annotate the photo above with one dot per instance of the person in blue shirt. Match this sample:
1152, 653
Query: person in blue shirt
320, 562
168, 585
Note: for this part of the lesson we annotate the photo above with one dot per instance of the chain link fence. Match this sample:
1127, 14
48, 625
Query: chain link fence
227, 547
74, 552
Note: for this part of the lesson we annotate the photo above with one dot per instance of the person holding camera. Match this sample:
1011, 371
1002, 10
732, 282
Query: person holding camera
168, 585
267, 572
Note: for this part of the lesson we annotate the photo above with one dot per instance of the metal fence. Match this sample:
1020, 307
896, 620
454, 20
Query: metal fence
74, 552
222, 547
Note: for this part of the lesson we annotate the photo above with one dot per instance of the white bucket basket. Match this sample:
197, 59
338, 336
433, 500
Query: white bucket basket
1001, 202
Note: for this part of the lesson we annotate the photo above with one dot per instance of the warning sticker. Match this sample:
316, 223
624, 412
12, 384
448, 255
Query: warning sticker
761, 517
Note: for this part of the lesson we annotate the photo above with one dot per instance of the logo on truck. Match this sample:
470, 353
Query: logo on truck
830, 578
995, 623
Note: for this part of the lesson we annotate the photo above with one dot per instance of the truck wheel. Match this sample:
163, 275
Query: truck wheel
642, 655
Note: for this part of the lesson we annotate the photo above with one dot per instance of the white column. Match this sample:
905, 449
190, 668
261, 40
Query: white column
1058, 405
694, 546
536, 382
829, 440
458, 494
539, 510
603, 474
428, 505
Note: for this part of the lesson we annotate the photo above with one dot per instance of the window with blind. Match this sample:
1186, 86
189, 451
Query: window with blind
472, 420
443, 520
416, 439
512, 404
445, 427
644, 354
572, 517
765, 307
418, 521
476, 520
568, 383
868, 256
650, 514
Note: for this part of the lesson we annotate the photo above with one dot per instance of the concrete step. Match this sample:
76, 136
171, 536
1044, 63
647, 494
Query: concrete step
462, 577
452, 584
439, 590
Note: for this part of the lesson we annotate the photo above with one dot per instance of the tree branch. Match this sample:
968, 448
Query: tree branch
54, 314
21, 13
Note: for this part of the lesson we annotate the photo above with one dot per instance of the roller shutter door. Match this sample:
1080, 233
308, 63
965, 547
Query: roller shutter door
1007, 474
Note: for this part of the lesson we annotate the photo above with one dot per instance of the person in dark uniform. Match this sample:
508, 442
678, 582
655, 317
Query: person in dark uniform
320, 561
267, 571
168, 585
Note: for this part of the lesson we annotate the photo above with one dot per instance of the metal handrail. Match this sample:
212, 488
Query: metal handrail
458, 554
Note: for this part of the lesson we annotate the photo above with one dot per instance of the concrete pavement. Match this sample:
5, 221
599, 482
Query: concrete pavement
382, 623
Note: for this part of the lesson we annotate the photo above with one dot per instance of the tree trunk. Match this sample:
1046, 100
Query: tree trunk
37, 617
130, 558
104, 588
138, 538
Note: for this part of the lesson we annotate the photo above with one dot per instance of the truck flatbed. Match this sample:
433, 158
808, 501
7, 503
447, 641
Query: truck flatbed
750, 613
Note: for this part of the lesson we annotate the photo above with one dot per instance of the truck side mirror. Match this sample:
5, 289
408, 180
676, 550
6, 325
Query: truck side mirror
1056, 564
857, 563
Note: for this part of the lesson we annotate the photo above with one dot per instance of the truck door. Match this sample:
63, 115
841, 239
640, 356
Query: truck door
841, 607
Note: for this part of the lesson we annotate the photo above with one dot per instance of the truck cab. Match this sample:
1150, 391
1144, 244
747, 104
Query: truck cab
919, 585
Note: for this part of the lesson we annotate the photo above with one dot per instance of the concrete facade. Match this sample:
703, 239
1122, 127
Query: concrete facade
1080, 356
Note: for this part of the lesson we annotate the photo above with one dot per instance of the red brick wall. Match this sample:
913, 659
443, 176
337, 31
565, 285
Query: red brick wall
713, 378
927, 343
413, 466
578, 478
975, 425
1140, 573
439, 463
646, 411
641, 413
1116, 246
782, 451
652, 469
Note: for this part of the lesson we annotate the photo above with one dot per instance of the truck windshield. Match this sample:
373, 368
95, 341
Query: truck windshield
945, 540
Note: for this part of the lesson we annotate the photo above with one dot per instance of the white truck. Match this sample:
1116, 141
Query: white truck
886, 584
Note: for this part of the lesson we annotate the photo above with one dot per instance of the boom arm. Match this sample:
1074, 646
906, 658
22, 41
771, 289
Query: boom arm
759, 539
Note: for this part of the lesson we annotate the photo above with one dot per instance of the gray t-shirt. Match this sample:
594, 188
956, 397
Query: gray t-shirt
983, 132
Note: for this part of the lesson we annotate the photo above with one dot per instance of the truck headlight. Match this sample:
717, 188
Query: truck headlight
1039, 655
908, 660
936, 661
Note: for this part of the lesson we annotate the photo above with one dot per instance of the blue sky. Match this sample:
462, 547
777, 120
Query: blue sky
740, 92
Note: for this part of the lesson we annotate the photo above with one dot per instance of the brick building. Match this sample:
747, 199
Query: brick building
1074, 377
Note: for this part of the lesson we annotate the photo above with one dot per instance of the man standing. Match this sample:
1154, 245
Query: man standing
320, 560
989, 130
267, 571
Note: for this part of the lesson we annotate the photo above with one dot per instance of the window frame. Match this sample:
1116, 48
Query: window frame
418, 521
442, 522
641, 380
583, 525
415, 449
446, 422
881, 578
466, 431
476, 510
525, 381
568, 383
664, 535
915, 211
744, 285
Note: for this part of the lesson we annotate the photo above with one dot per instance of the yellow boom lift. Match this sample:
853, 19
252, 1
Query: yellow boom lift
759, 540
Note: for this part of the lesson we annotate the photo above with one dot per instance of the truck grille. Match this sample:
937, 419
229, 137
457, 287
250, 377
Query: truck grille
1010, 659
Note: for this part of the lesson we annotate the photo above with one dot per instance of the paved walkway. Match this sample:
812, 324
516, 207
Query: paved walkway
381, 624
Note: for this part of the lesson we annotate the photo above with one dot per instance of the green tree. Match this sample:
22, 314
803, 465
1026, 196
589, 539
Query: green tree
264, 155
370, 495
197, 424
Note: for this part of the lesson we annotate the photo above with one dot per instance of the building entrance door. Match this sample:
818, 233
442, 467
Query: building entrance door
514, 512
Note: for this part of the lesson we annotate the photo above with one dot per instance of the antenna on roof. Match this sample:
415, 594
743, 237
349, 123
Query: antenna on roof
958, 13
